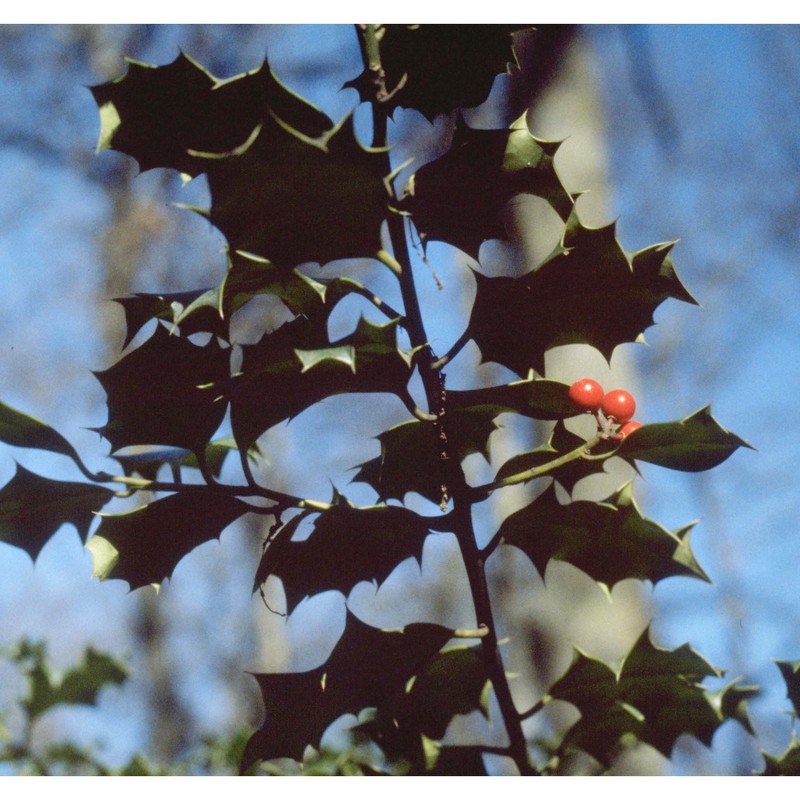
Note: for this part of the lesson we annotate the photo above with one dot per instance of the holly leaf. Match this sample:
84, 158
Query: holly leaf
436, 68
21, 430
411, 453
610, 541
587, 292
292, 199
148, 460
693, 444
346, 546
141, 308
295, 366
158, 394
535, 398
788, 763
286, 183
454, 761
80, 685
790, 671
144, 546
460, 198
561, 441
368, 667
454, 682
33, 508
654, 696
169, 116
249, 275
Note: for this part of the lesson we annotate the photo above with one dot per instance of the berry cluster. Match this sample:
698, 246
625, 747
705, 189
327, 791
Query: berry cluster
613, 408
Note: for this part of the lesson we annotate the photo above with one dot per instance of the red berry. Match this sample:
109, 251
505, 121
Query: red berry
629, 427
586, 394
618, 405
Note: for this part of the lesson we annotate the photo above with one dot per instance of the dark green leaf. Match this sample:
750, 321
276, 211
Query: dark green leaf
538, 399
249, 275
141, 308
694, 444
461, 197
347, 545
411, 453
790, 670
368, 667
166, 116
145, 545
655, 696
33, 508
440, 67
285, 183
20, 430
453, 682
587, 292
160, 393
295, 367
731, 701
410, 459
455, 761
292, 199
788, 763
148, 460
609, 541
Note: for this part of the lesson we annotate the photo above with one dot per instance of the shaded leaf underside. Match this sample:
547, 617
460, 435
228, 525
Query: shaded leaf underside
296, 366
609, 541
33, 508
587, 292
460, 198
436, 68
347, 545
411, 453
286, 183
156, 395
656, 696
368, 667
145, 545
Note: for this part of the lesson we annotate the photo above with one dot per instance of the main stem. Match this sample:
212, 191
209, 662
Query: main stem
453, 475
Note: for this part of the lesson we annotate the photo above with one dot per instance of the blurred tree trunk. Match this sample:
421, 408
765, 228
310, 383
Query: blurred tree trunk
564, 608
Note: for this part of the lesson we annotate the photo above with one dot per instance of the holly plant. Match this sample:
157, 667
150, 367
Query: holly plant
291, 191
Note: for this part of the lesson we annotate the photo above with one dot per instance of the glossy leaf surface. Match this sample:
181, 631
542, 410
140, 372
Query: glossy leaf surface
609, 541
587, 292
693, 444
655, 696
460, 198
165, 116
